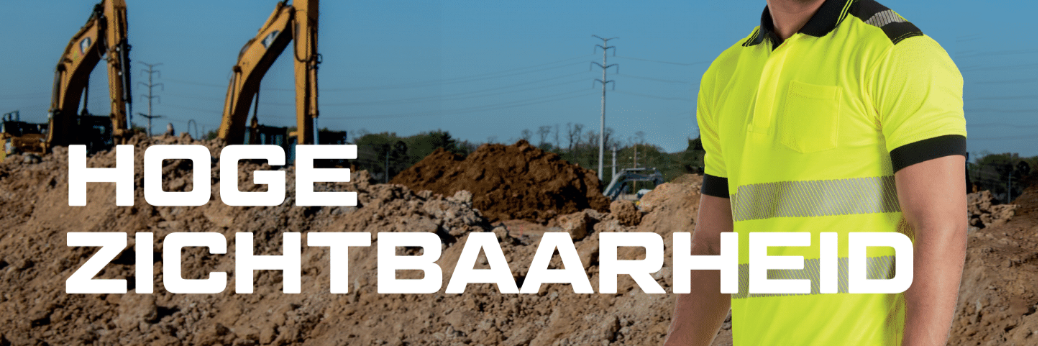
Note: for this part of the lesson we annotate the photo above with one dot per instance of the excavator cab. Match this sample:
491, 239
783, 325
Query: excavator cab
326, 136
94, 131
270, 135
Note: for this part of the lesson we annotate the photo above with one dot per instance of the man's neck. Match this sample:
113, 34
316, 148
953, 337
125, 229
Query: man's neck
791, 15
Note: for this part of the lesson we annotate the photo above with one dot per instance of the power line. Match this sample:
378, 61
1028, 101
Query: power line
442, 81
151, 86
656, 79
481, 109
995, 68
35, 105
654, 96
972, 37
492, 107
214, 111
996, 53
667, 62
199, 122
1011, 97
222, 86
453, 80
1024, 80
1002, 125
181, 81
480, 91
195, 97
449, 97
992, 110
24, 96
605, 67
515, 69
488, 107
1030, 137
36, 93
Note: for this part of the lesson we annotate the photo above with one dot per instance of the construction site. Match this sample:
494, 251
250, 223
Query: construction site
517, 189
442, 195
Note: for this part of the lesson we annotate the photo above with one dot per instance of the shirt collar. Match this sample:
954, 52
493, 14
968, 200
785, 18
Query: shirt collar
824, 21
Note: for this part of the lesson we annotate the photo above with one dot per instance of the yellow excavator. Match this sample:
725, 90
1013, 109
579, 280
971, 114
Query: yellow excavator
103, 36
297, 23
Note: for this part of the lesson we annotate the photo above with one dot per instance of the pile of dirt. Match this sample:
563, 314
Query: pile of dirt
626, 213
998, 297
984, 211
35, 262
694, 180
518, 181
1028, 201
997, 301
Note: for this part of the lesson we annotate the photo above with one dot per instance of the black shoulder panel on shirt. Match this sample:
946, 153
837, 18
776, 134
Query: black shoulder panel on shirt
754, 39
875, 14
897, 32
924, 150
715, 186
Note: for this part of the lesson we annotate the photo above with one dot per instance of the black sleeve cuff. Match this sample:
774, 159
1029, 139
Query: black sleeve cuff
715, 186
927, 149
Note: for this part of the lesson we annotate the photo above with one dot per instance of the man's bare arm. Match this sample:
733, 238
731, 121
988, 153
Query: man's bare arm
699, 314
933, 199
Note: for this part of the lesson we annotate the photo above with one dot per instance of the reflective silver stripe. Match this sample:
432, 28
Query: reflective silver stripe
876, 268
883, 18
815, 198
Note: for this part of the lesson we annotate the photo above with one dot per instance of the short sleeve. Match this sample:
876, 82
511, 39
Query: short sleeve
715, 179
917, 93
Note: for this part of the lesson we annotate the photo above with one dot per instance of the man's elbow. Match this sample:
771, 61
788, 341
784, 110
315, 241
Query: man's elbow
706, 247
935, 220
948, 233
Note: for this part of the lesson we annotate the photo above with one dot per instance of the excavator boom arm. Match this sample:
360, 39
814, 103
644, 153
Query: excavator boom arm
288, 23
118, 66
306, 62
104, 35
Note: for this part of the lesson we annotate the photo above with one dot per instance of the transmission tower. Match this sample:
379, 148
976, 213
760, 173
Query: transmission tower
151, 86
605, 66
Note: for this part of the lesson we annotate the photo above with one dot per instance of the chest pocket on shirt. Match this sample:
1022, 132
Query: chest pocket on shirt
809, 121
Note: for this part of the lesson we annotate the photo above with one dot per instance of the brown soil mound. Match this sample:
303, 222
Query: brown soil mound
997, 301
998, 296
985, 212
35, 262
689, 179
518, 181
1028, 201
625, 212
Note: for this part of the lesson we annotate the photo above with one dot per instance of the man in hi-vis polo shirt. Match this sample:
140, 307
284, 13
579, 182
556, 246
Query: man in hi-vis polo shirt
831, 116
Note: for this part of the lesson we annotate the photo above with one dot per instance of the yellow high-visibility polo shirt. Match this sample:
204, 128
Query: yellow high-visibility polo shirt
804, 135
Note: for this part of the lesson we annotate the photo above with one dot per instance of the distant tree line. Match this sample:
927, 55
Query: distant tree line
1006, 175
573, 142
378, 152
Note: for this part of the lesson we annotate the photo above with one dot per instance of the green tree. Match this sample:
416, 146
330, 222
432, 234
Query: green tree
403, 152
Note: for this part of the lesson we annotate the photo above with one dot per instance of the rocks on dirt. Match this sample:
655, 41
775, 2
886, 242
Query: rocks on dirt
985, 212
625, 212
997, 295
996, 306
577, 224
34, 217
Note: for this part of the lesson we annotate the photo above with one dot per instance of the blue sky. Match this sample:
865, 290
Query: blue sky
484, 70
